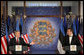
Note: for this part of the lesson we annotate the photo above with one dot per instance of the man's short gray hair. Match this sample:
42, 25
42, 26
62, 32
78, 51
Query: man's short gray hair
16, 31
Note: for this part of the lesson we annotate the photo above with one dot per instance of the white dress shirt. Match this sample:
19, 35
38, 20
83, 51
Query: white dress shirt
16, 39
70, 38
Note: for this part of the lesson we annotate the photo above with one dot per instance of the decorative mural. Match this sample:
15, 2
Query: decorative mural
44, 31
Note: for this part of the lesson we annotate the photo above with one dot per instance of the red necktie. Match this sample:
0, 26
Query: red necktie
17, 40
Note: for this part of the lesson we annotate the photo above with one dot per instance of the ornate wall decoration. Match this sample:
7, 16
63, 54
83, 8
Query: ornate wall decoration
42, 32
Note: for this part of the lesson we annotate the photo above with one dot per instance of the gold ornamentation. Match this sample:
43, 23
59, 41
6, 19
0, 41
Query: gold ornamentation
42, 32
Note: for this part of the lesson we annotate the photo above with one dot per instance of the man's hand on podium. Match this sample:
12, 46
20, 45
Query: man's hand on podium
10, 52
24, 52
32, 43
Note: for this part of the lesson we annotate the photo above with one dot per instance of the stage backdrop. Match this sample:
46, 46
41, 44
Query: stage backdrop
44, 31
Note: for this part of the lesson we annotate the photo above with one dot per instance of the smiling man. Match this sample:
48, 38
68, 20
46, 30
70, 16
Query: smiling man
71, 39
17, 40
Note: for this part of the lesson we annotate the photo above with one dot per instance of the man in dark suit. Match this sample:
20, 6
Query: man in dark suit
71, 39
18, 41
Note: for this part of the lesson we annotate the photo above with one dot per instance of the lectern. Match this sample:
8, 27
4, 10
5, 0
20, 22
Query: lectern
18, 49
67, 48
73, 49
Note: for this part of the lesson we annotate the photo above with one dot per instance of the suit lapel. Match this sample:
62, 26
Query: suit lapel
67, 38
14, 40
20, 40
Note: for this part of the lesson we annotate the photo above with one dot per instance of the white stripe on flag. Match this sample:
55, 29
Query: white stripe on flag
80, 37
4, 45
81, 40
23, 37
10, 36
26, 38
3, 41
13, 34
2, 49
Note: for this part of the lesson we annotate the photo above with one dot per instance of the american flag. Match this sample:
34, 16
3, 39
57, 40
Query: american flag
81, 41
12, 35
26, 39
3, 45
3, 37
80, 36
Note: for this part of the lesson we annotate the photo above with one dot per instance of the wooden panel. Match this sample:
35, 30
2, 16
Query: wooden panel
1, 8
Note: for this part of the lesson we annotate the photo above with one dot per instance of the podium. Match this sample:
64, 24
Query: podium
67, 48
15, 51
